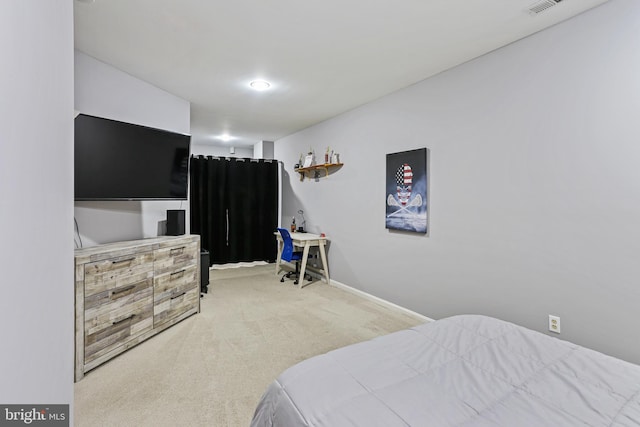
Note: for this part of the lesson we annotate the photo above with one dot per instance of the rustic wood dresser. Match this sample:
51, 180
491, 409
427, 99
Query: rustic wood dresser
126, 292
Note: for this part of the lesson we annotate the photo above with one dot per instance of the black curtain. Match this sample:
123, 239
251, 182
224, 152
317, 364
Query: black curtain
234, 208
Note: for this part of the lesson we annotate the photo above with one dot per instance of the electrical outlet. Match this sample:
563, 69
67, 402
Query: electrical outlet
554, 324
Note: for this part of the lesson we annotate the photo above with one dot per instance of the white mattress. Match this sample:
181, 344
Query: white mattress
460, 371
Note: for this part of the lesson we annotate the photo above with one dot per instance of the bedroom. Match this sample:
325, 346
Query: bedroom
518, 231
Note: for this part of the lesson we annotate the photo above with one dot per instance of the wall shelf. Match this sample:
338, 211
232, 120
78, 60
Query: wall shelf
314, 171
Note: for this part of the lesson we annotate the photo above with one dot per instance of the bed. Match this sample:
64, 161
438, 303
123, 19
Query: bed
460, 371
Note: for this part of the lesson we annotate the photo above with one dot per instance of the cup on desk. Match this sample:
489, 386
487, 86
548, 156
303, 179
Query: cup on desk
322, 235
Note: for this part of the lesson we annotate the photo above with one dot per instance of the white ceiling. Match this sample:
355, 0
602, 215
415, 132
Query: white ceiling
322, 58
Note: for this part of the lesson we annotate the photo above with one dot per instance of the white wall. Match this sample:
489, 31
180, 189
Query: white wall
263, 150
218, 151
36, 184
104, 91
534, 185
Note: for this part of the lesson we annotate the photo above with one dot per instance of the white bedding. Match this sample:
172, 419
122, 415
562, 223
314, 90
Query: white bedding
460, 371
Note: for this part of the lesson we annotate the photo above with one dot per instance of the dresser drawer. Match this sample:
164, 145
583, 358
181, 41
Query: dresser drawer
101, 276
175, 293
115, 316
177, 257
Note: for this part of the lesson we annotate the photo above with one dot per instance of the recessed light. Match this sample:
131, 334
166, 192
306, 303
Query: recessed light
260, 85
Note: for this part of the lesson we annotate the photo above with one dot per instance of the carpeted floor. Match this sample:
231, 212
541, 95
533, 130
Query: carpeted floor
212, 368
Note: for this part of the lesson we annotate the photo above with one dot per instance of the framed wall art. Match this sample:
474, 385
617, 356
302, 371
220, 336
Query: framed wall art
406, 191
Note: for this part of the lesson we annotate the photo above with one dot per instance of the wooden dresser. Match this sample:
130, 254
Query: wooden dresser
129, 291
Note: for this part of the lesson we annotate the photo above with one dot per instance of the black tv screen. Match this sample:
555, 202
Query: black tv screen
122, 161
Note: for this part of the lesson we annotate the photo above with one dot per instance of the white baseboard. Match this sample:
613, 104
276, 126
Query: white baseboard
237, 265
379, 300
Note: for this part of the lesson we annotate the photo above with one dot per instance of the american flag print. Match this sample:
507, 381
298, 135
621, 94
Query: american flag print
406, 191
404, 179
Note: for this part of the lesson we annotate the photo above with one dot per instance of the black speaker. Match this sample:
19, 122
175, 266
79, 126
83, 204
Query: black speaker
204, 270
175, 222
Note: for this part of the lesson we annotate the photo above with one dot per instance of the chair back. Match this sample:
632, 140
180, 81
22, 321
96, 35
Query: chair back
287, 249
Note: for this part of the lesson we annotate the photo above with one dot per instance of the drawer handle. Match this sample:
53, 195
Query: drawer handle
176, 251
125, 289
122, 261
124, 320
177, 273
178, 296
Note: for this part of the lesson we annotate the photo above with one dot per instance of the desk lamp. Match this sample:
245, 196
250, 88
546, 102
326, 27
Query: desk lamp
303, 223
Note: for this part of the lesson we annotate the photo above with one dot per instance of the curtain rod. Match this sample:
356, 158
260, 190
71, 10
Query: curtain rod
240, 159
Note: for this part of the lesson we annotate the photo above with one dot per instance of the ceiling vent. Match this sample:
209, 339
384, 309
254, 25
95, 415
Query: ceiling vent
541, 6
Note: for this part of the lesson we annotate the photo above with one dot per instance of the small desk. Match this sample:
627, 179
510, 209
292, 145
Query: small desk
305, 241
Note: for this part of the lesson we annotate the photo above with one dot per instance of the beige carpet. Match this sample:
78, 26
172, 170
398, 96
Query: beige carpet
212, 368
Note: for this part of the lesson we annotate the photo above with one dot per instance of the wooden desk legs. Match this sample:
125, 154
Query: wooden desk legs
279, 259
305, 256
305, 244
303, 264
323, 257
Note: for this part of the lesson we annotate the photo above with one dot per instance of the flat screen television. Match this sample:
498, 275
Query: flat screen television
123, 161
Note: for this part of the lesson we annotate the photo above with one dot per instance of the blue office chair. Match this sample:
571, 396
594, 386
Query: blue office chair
288, 254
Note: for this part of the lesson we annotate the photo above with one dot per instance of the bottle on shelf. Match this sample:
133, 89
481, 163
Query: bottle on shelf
293, 224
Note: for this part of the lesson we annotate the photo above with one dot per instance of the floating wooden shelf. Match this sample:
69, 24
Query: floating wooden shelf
315, 169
